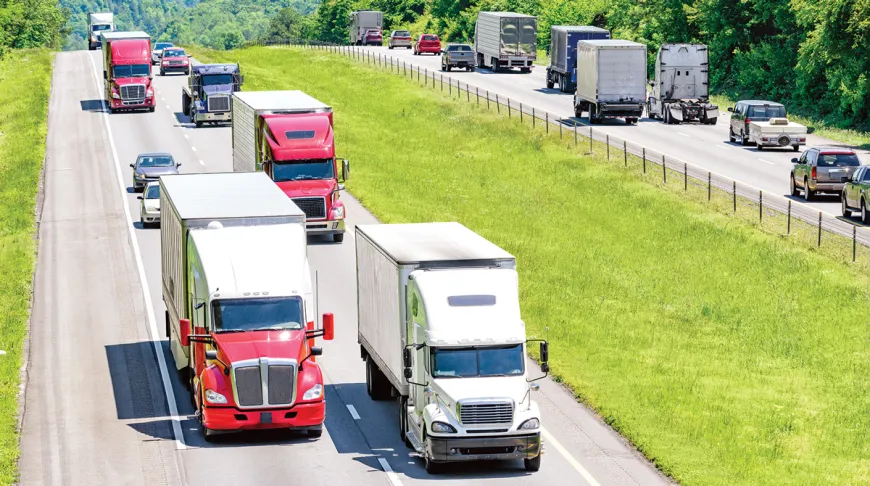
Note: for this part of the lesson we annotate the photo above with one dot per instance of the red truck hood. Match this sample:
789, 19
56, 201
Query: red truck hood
307, 188
138, 80
240, 346
319, 146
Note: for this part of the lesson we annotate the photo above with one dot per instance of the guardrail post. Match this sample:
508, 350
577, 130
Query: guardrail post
575, 134
509, 107
685, 176
788, 228
590, 140
760, 206
487, 100
467, 94
709, 185
734, 193
546, 120
404, 69
560, 129
664, 170
643, 152
820, 228
497, 104
607, 142
854, 243
477, 95
625, 152
449, 85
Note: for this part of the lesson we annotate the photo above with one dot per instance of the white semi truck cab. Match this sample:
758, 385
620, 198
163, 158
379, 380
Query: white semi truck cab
440, 329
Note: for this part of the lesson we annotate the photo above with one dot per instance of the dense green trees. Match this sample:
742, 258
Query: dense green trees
31, 23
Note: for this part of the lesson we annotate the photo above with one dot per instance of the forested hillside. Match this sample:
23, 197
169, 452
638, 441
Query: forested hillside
30, 23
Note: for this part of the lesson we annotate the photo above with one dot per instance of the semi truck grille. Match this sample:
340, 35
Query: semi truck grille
249, 386
281, 384
218, 103
133, 92
314, 207
486, 413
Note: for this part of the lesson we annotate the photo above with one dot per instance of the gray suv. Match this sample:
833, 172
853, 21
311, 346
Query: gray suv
150, 166
822, 169
746, 111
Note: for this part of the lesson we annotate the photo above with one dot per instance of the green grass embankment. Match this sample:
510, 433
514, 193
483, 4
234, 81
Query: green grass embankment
25, 78
726, 354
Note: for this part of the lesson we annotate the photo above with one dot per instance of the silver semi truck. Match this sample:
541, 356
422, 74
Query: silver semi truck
680, 90
506, 40
611, 79
99, 22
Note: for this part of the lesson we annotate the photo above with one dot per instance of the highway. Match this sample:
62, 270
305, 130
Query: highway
705, 146
101, 407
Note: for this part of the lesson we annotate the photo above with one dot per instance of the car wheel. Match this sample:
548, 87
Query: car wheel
744, 139
759, 146
794, 190
731, 137
808, 194
844, 208
533, 464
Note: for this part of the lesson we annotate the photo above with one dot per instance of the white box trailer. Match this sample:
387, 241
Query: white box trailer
680, 88
363, 20
611, 79
506, 39
99, 22
190, 202
248, 109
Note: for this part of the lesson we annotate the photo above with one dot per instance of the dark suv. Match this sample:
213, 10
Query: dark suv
746, 111
822, 169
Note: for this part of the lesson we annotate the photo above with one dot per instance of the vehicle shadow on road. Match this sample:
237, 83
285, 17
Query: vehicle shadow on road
93, 106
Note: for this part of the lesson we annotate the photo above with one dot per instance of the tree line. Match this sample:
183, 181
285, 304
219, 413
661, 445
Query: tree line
31, 23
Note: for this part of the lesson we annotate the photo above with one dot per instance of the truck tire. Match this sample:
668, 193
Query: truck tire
796, 148
431, 466
758, 146
563, 84
744, 139
403, 422
377, 385
533, 464
168, 332
550, 82
338, 237
494, 65
185, 104
712, 121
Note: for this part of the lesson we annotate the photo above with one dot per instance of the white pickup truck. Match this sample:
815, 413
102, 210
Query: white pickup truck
777, 132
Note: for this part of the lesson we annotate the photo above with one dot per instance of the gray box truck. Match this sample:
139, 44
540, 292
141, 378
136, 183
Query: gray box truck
562, 70
99, 22
361, 22
611, 80
506, 40
680, 90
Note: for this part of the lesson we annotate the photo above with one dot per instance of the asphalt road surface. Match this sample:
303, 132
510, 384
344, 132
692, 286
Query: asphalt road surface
97, 407
705, 146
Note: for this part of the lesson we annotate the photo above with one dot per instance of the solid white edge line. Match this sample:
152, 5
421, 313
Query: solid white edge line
353, 412
767, 161
549, 439
722, 147
392, 476
683, 134
149, 309
193, 148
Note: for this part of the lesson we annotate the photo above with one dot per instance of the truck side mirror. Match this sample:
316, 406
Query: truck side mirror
316, 351
184, 331
241, 80
730, 109
105, 74
345, 170
545, 351
328, 326
140, 197
211, 354
794, 160
131, 166
407, 361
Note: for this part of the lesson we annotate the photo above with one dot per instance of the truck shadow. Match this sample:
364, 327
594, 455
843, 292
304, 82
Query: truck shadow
93, 106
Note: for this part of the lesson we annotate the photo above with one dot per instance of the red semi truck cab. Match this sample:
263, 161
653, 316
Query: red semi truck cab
290, 136
127, 71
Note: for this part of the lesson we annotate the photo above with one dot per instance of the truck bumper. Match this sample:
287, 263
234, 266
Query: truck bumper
781, 141
214, 117
117, 104
621, 111
455, 449
325, 227
230, 419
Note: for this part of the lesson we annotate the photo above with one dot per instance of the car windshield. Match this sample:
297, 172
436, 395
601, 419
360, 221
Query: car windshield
303, 170
162, 45
459, 48
838, 160
216, 79
131, 71
173, 53
98, 28
156, 161
477, 361
153, 191
258, 314
430, 38
766, 112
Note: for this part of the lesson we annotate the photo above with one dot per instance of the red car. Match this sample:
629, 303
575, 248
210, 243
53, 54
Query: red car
174, 59
374, 37
427, 43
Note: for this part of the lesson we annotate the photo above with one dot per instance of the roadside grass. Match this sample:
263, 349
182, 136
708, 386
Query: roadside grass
543, 58
818, 127
725, 354
25, 78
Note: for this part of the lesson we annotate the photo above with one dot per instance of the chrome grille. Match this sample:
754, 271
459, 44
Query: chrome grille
486, 413
176, 63
218, 103
249, 386
314, 207
133, 92
280, 384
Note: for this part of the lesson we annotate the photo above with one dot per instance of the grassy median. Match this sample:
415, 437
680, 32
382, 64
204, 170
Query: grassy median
725, 354
24, 88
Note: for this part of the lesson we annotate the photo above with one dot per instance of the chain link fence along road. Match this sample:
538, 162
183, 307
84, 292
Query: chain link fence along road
794, 215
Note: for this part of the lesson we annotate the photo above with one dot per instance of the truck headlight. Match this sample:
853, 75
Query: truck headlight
443, 428
313, 393
338, 212
530, 424
212, 396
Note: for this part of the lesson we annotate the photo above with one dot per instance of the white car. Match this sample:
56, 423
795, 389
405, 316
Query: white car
158, 50
149, 208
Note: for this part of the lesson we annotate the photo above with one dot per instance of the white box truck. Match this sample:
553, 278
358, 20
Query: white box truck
680, 90
611, 79
98, 23
506, 40
440, 328
239, 302
363, 21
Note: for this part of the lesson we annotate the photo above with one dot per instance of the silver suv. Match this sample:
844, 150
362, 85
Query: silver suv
822, 169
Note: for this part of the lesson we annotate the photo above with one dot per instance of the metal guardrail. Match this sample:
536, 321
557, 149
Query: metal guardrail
670, 168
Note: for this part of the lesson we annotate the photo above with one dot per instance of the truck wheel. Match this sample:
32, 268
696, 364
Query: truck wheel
403, 422
533, 464
550, 82
494, 65
168, 332
338, 237
744, 139
712, 121
448, 68
377, 384
731, 137
759, 146
431, 466
198, 123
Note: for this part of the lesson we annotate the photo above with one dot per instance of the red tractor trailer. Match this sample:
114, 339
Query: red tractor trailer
289, 135
127, 71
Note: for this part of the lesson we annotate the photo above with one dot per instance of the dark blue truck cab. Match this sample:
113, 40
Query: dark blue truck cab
208, 95
562, 70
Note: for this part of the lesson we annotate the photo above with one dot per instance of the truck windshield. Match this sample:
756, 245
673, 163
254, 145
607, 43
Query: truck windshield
131, 71
258, 314
217, 79
477, 361
303, 170
97, 28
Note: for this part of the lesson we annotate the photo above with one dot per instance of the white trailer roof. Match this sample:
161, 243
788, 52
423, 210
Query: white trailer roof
578, 28
280, 100
507, 14
613, 43
233, 264
125, 35
432, 242
227, 195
